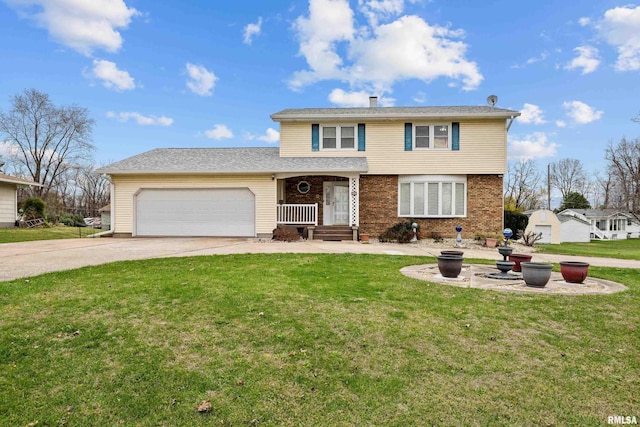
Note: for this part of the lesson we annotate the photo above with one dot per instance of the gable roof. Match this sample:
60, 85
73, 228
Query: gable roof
229, 161
15, 180
567, 218
597, 213
396, 113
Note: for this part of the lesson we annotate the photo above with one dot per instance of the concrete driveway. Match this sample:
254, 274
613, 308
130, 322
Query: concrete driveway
26, 259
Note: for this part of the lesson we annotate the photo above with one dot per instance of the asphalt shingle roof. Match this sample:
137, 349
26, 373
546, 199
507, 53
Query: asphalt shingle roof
230, 161
386, 113
15, 180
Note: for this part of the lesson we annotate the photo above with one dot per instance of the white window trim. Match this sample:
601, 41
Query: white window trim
432, 136
432, 179
339, 137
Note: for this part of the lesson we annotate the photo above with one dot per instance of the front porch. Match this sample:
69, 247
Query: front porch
325, 206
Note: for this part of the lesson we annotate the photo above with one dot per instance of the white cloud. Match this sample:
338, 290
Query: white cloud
561, 123
531, 114
544, 55
142, 120
619, 27
533, 146
272, 136
587, 59
219, 132
356, 99
376, 57
420, 98
111, 76
251, 30
200, 80
584, 21
580, 112
80, 24
376, 10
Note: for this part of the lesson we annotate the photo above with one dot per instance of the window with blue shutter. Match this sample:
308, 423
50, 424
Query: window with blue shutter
408, 136
361, 137
455, 136
315, 137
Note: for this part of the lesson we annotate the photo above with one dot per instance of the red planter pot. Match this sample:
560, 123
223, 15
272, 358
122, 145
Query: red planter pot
574, 271
518, 258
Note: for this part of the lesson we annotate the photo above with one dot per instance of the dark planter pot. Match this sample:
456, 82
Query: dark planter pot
574, 271
451, 252
536, 274
450, 265
518, 258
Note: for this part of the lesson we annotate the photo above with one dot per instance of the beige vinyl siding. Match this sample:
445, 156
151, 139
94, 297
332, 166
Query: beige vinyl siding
7, 203
482, 149
126, 187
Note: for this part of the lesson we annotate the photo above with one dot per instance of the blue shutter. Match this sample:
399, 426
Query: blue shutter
408, 136
315, 137
361, 137
455, 136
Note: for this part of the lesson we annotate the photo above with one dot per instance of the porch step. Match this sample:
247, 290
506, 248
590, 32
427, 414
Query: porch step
333, 232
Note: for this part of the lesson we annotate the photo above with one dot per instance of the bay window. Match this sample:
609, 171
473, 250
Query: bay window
438, 196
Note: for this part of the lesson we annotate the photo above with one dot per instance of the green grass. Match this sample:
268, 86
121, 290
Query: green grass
10, 235
622, 249
313, 340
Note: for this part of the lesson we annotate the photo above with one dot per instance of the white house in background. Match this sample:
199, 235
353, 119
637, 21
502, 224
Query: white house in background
607, 223
574, 229
571, 227
9, 198
545, 222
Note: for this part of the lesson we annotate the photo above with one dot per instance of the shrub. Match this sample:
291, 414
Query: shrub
402, 232
530, 238
72, 220
286, 233
516, 221
33, 208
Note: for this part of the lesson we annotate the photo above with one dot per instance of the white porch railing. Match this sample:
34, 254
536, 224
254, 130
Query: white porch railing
598, 234
298, 214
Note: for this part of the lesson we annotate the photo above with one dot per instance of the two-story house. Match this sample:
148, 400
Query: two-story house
362, 169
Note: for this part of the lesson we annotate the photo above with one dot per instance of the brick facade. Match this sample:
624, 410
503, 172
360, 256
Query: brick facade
315, 194
379, 207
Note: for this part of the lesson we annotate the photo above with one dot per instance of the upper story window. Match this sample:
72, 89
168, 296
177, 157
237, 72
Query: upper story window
432, 136
338, 137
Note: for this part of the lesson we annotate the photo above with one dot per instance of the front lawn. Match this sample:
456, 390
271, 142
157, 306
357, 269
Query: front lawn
313, 340
622, 249
10, 235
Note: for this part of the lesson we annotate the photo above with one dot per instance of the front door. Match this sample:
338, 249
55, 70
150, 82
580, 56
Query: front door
336, 203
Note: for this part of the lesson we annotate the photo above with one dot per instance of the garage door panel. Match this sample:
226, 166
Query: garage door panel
195, 212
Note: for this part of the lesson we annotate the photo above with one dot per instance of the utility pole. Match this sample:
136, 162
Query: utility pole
549, 186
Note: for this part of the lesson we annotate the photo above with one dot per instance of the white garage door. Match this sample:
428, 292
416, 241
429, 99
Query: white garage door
225, 212
546, 233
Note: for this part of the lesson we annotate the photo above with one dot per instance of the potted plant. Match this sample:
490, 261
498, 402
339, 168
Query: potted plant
536, 274
491, 241
450, 265
574, 271
518, 258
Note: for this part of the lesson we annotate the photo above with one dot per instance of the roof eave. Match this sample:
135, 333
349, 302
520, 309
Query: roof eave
20, 182
389, 117
256, 172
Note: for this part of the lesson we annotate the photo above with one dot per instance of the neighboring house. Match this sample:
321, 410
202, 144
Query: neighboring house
105, 217
606, 223
574, 229
353, 169
9, 198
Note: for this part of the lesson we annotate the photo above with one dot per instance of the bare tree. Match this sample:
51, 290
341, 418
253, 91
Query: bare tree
523, 188
47, 139
94, 189
568, 176
624, 165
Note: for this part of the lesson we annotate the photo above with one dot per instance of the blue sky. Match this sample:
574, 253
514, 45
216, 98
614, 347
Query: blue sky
209, 73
